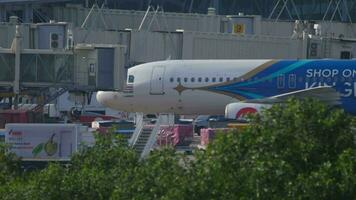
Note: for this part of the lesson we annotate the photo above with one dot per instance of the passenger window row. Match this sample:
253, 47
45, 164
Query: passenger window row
200, 79
291, 79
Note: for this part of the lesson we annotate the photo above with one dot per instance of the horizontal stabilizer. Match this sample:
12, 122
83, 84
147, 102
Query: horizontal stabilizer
325, 94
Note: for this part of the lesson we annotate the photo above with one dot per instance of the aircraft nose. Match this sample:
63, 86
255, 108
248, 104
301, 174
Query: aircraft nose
114, 100
104, 98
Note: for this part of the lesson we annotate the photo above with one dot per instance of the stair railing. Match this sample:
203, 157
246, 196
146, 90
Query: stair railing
153, 137
138, 129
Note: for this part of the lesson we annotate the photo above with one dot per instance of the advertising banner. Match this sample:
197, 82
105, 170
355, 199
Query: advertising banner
42, 141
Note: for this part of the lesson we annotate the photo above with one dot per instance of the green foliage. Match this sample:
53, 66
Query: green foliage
46, 184
161, 176
95, 172
92, 174
9, 165
299, 150
294, 151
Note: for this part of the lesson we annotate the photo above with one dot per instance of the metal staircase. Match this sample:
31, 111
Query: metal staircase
54, 96
144, 138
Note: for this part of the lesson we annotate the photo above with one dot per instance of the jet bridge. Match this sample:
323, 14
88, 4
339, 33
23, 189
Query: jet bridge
83, 68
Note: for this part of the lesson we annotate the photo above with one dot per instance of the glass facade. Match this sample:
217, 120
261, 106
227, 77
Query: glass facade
305, 9
296, 9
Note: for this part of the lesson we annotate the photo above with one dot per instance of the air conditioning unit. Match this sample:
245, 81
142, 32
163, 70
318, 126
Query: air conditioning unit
314, 50
56, 40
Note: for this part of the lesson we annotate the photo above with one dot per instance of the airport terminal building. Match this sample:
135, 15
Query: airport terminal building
295, 9
80, 44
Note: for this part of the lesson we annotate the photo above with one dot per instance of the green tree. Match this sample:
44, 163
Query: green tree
93, 173
296, 150
10, 167
96, 171
163, 175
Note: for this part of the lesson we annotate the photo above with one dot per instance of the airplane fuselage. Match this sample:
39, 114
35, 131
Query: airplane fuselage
207, 86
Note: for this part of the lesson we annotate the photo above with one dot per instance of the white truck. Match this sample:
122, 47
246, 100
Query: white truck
46, 142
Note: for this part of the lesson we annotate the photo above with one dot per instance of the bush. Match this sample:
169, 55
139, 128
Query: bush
299, 150
92, 174
161, 176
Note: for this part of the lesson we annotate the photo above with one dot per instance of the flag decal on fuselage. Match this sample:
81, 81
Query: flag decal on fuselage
128, 90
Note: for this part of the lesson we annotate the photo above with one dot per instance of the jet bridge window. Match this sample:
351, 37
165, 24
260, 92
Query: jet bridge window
227, 79
171, 79
292, 81
199, 79
131, 79
221, 79
185, 79
213, 79
280, 81
206, 79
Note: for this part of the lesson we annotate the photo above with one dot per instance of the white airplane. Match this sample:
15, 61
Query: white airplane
231, 87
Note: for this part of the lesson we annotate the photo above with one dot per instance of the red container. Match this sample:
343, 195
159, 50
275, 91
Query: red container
208, 134
19, 116
178, 134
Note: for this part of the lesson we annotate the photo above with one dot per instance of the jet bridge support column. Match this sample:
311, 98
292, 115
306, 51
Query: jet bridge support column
16, 49
119, 69
2, 14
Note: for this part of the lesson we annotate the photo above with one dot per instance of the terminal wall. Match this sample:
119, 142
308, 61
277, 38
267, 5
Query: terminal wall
338, 30
96, 36
340, 49
226, 46
111, 19
279, 29
151, 46
7, 34
145, 46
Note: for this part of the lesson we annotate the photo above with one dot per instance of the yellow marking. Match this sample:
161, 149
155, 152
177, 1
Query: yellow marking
239, 28
257, 70
180, 88
244, 77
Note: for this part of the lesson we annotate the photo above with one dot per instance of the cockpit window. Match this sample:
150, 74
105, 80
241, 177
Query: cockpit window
131, 79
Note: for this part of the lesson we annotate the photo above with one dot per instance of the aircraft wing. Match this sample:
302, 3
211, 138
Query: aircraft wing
325, 94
